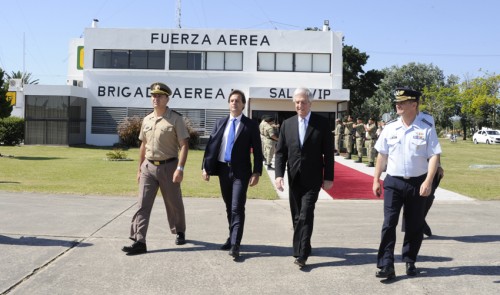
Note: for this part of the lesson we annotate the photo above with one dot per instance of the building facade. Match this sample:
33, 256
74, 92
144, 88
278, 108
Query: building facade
111, 69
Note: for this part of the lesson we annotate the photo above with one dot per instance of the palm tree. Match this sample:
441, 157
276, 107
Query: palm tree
25, 77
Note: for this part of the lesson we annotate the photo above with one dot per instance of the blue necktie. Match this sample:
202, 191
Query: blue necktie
230, 141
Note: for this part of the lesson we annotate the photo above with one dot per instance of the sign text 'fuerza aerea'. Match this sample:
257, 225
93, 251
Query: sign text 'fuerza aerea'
205, 39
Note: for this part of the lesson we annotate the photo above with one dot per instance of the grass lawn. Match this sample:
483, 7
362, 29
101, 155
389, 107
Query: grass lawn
83, 170
470, 169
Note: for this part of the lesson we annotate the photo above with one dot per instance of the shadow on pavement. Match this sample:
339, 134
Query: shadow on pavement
43, 242
470, 239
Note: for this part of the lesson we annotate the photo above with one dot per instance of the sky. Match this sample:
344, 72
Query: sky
461, 38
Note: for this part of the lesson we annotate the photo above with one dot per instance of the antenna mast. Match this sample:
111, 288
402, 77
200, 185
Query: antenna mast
178, 14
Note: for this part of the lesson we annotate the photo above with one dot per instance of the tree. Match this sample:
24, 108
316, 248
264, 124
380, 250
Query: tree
443, 103
413, 75
26, 78
362, 85
5, 106
481, 100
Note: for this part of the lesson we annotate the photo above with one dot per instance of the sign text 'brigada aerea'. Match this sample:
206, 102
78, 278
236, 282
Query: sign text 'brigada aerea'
141, 92
206, 39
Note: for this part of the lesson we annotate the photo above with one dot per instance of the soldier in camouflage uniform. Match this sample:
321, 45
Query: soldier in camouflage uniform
262, 125
338, 136
348, 136
269, 141
359, 128
371, 137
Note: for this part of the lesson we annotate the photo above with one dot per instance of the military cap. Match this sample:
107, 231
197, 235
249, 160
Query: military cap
404, 94
160, 88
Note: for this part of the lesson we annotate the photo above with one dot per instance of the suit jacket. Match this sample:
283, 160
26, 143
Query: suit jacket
313, 162
247, 139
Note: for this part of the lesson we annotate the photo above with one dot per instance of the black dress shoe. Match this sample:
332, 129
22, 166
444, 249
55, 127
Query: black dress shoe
227, 245
387, 272
411, 270
135, 248
235, 251
180, 239
300, 261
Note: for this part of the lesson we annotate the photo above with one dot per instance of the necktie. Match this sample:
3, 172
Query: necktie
302, 130
230, 141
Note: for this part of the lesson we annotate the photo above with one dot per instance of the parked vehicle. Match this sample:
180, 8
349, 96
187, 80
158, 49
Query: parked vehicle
487, 136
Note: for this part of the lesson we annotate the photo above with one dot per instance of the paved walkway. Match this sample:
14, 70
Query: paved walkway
67, 244
441, 194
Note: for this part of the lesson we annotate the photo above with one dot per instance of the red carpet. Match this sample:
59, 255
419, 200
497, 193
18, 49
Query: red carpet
349, 183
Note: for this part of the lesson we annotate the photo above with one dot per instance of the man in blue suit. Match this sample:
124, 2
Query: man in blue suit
305, 148
227, 155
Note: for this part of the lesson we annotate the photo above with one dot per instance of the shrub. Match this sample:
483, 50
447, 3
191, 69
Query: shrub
128, 131
194, 137
116, 154
11, 130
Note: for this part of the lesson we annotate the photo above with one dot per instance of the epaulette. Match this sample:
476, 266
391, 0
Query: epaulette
427, 122
177, 113
391, 121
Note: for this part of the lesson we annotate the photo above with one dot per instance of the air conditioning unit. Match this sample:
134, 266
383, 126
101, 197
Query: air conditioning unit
15, 84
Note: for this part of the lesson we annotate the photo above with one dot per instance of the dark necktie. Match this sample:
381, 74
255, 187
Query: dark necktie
230, 141
302, 130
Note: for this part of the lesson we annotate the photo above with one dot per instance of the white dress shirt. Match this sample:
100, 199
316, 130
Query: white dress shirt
223, 145
408, 148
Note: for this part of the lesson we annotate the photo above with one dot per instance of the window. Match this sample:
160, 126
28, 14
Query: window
204, 60
215, 60
293, 62
265, 61
129, 59
303, 62
284, 62
321, 63
233, 61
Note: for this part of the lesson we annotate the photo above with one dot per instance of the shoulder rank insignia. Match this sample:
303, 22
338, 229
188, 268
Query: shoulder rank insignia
427, 122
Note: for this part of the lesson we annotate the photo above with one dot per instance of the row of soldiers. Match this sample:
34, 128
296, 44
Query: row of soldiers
363, 135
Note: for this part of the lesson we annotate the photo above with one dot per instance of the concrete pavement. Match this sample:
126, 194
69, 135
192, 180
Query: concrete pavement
66, 244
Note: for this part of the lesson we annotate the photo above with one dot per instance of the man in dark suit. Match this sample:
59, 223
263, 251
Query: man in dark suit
305, 148
227, 155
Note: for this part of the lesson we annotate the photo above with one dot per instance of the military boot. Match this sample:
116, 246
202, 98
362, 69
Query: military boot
371, 164
358, 161
348, 156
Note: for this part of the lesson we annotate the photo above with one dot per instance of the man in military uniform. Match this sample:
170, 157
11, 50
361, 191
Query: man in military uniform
338, 136
371, 137
269, 142
162, 156
348, 136
359, 128
262, 126
409, 148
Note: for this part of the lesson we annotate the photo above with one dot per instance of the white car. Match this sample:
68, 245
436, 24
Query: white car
486, 136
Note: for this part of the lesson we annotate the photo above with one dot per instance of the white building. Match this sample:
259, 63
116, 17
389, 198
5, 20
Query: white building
110, 70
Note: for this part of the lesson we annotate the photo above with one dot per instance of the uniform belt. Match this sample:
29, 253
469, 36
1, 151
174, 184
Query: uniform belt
410, 178
161, 162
